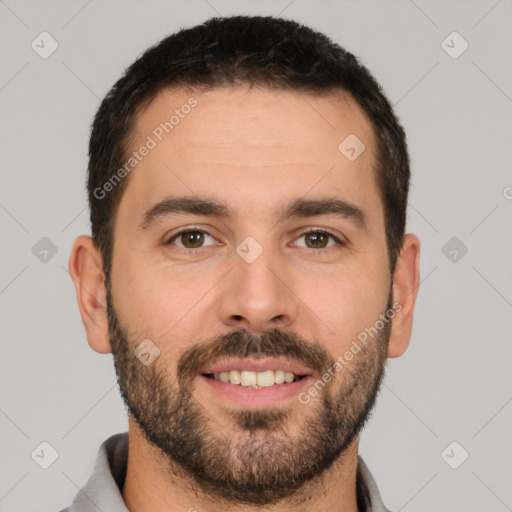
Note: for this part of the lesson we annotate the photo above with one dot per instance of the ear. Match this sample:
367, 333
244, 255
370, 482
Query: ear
85, 267
406, 281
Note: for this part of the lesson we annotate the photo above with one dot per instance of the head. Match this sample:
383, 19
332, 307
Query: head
248, 186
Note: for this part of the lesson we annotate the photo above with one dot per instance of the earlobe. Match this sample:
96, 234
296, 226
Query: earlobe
405, 289
88, 277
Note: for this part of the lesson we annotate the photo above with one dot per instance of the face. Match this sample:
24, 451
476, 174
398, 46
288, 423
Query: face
251, 252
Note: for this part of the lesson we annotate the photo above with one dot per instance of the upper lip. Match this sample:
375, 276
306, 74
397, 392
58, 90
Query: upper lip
257, 365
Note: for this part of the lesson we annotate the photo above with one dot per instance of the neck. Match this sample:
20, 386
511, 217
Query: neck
152, 486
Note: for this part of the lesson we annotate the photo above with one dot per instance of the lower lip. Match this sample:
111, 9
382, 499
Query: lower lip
257, 398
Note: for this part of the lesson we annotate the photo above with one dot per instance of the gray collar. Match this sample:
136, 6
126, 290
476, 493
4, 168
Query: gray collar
102, 490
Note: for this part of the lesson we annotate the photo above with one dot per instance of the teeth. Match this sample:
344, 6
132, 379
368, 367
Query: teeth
265, 379
279, 376
234, 377
255, 379
248, 378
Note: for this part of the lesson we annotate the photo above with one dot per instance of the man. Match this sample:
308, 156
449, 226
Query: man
248, 269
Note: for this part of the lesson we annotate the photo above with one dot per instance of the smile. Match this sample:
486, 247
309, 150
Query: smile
256, 380
256, 383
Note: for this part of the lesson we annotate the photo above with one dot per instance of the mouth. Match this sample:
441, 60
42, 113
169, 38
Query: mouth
255, 380
256, 383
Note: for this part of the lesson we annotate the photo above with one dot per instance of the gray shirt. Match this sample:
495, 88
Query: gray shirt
103, 489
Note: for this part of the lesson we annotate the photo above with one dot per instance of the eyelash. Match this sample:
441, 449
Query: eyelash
193, 229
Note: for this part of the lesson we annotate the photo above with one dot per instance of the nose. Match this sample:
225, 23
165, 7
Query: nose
258, 295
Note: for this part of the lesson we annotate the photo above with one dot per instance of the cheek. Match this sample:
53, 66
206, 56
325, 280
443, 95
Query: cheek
161, 303
347, 307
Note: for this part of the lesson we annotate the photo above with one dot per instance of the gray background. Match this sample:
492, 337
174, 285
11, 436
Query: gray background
453, 383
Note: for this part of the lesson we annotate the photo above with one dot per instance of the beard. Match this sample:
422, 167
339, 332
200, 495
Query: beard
257, 461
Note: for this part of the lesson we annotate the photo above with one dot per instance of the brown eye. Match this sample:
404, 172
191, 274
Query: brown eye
190, 239
319, 240
316, 239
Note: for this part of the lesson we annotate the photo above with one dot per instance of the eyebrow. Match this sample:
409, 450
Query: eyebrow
299, 208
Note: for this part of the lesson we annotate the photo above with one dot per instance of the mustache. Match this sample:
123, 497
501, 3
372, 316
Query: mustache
242, 343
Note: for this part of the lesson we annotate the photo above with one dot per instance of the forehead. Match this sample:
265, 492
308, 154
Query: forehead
242, 146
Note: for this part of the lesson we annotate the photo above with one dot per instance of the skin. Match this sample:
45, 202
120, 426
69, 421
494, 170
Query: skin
255, 150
